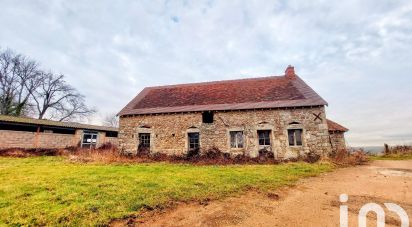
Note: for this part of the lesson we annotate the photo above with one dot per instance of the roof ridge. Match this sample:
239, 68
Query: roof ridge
217, 81
274, 92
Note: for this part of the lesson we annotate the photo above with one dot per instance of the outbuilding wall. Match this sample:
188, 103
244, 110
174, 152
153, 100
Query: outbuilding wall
22, 139
169, 131
337, 140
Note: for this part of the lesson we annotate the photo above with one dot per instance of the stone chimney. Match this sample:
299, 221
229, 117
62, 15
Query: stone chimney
290, 72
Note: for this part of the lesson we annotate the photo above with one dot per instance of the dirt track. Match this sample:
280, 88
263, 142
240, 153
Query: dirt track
313, 202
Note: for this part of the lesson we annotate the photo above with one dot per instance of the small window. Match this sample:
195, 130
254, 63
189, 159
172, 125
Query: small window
236, 139
264, 137
207, 117
193, 138
144, 140
111, 134
295, 137
89, 139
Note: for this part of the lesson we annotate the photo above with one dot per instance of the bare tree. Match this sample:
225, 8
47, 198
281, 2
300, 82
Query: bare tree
111, 120
55, 99
19, 77
27, 90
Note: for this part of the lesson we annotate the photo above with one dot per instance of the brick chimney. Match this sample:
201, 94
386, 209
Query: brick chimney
290, 72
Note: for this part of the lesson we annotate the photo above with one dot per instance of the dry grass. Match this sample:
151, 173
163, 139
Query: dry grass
108, 153
210, 157
349, 157
398, 152
398, 149
21, 153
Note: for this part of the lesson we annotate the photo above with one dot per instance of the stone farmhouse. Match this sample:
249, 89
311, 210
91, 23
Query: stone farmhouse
280, 114
22, 132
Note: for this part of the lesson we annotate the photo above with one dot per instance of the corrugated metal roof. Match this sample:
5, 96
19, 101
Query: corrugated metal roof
32, 121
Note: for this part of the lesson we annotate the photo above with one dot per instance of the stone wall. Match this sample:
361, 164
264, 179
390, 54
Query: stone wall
169, 131
337, 140
21, 139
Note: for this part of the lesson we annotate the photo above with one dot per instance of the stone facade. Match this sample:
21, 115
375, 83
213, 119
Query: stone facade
21, 139
337, 140
169, 132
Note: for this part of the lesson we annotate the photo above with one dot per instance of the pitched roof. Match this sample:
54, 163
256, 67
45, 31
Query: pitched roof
32, 121
335, 127
252, 93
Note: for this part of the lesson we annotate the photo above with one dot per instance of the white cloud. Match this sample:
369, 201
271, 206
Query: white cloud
354, 53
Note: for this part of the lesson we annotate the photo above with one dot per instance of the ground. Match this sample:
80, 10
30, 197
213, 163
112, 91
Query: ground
312, 202
53, 191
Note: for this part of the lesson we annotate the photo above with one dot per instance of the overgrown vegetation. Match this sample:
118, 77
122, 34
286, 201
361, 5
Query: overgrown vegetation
349, 157
54, 191
109, 154
398, 152
392, 157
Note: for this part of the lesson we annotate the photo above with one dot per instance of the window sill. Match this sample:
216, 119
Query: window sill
236, 149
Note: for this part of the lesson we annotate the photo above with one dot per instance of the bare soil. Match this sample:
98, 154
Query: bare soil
312, 202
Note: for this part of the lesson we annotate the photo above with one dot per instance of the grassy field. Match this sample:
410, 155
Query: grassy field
53, 191
392, 157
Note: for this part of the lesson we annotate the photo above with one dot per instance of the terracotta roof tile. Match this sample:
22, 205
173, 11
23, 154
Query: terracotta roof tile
264, 92
335, 127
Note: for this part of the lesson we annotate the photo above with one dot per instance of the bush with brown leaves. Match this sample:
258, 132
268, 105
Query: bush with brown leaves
398, 149
21, 152
349, 157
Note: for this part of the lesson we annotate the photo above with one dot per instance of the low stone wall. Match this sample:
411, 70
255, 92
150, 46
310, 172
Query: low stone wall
19, 139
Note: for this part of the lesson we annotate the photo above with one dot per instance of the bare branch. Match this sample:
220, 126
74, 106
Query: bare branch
19, 76
59, 99
111, 120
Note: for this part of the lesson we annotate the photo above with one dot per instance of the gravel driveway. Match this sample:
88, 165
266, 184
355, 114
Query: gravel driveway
312, 202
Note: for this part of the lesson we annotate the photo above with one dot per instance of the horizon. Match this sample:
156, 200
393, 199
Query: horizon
359, 62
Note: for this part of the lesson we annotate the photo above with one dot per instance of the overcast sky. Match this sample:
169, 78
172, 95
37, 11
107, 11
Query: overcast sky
356, 54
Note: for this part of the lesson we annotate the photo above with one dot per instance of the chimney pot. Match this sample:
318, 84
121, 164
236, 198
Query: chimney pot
290, 71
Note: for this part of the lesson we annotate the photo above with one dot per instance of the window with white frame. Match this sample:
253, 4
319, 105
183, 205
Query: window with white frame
89, 139
144, 140
264, 137
236, 139
193, 139
295, 137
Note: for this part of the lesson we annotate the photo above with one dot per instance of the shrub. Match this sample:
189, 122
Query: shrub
311, 157
265, 154
21, 152
107, 153
107, 146
349, 157
193, 154
213, 153
398, 149
143, 151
